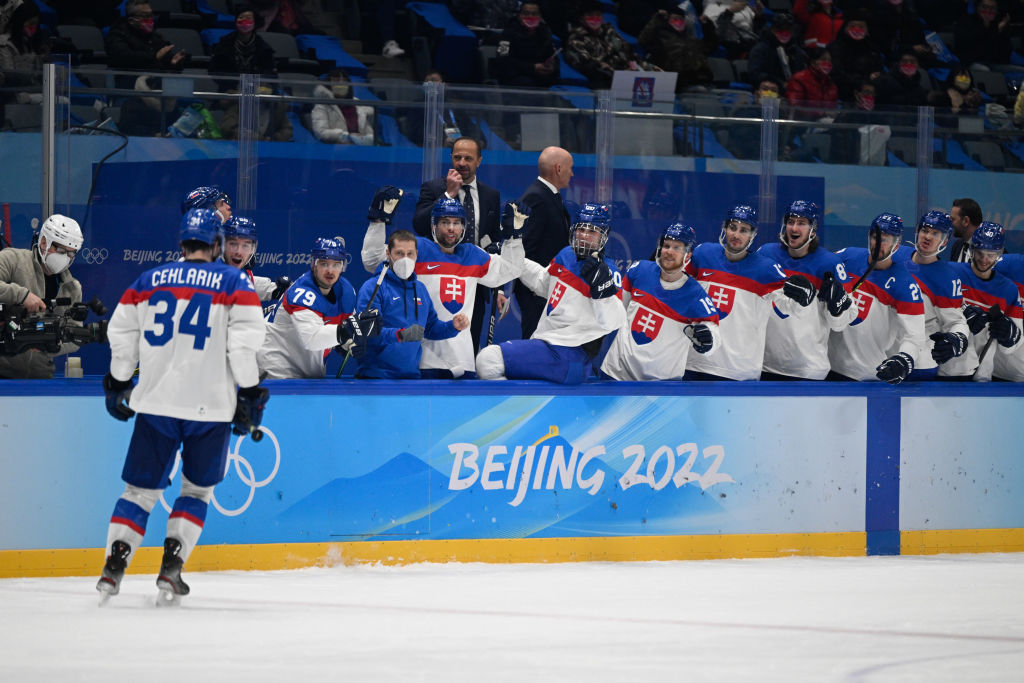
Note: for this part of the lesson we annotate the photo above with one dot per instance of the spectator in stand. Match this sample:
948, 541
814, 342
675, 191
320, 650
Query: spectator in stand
490, 14
272, 122
897, 29
1018, 110
822, 21
341, 124
7, 8
983, 38
958, 95
281, 16
737, 24
526, 51
148, 116
22, 52
848, 142
745, 139
98, 13
904, 86
596, 49
767, 60
813, 89
669, 47
242, 51
855, 58
133, 43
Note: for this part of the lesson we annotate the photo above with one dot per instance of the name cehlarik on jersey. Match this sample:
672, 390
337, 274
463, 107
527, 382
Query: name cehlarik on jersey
187, 277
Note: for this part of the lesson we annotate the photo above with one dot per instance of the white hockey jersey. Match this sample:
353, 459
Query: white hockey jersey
452, 280
304, 329
796, 345
1010, 366
193, 330
890, 319
651, 343
746, 293
571, 317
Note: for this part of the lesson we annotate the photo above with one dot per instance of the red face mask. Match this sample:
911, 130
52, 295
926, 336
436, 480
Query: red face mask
783, 36
866, 102
30, 30
678, 24
987, 14
593, 23
530, 22
824, 68
857, 33
146, 25
908, 69
245, 26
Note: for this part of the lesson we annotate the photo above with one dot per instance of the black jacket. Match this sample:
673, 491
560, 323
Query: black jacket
226, 59
488, 212
130, 48
519, 49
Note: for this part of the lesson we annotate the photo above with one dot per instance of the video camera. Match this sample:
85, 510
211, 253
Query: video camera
21, 331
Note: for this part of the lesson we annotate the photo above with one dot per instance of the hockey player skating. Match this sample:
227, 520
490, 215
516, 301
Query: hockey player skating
451, 270
208, 197
240, 241
315, 316
745, 288
192, 327
991, 307
796, 346
887, 338
582, 307
407, 316
941, 292
667, 312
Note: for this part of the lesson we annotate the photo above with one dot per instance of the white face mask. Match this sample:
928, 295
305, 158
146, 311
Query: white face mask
404, 267
56, 263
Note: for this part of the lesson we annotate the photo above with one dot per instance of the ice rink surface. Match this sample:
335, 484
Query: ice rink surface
943, 618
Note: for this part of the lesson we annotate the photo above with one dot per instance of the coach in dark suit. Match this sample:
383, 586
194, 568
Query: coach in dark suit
547, 231
483, 211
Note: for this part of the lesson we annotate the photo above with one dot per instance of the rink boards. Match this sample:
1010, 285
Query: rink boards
399, 472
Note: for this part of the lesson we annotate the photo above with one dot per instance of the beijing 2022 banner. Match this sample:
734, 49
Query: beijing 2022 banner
378, 467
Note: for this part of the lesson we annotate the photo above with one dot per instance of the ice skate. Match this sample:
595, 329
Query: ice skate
169, 581
113, 571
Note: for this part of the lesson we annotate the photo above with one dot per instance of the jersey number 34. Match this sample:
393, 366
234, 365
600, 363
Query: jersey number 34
194, 320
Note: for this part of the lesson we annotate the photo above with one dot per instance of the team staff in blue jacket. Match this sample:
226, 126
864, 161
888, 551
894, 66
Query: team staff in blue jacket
406, 314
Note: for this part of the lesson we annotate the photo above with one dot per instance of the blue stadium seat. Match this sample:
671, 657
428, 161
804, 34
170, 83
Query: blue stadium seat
329, 49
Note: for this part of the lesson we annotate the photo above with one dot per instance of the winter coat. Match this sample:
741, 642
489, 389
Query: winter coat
519, 49
810, 88
129, 48
675, 51
765, 60
227, 58
402, 304
853, 61
820, 29
896, 90
598, 55
329, 123
21, 273
976, 43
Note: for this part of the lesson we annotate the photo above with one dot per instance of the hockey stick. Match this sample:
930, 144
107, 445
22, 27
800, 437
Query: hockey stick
992, 313
494, 316
875, 253
376, 288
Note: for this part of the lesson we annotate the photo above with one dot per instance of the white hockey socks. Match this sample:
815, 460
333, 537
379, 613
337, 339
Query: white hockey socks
131, 512
188, 516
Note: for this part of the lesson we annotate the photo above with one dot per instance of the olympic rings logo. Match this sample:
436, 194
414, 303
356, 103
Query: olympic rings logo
94, 256
244, 471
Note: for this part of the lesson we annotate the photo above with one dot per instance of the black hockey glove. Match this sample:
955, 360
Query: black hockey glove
799, 289
596, 273
700, 336
948, 345
1002, 327
117, 393
281, 286
413, 333
834, 295
355, 330
895, 369
249, 410
975, 318
513, 220
385, 202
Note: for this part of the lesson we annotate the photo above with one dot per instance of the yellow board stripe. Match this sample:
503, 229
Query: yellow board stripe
962, 541
271, 556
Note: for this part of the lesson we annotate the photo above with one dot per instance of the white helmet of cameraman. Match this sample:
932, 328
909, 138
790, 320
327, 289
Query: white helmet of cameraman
63, 238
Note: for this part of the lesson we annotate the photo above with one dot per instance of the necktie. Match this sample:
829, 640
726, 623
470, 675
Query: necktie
467, 202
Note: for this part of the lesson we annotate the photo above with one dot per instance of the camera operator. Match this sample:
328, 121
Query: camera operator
30, 277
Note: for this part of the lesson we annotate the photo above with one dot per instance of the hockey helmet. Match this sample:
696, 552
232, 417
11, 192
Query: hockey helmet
741, 213
591, 217
200, 225
888, 224
204, 197
329, 249
989, 236
447, 208
62, 230
680, 233
936, 220
801, 208
237, 226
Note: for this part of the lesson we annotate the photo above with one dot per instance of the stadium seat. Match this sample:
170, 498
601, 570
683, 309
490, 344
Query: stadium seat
992, 83
721, 71
328, 49
88, 42
23, 118
189, 40
171, 14
987, 153
286, 52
